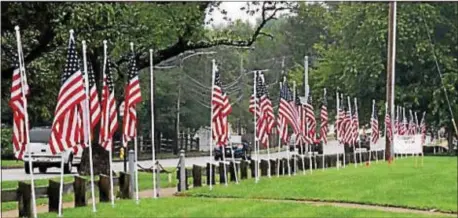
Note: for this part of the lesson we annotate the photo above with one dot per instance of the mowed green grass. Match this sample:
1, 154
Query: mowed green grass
12, 163
145, 182
198, 207
399, 184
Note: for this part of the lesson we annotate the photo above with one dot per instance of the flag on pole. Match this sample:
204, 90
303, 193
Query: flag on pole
389, 132
282, 127
403, 125
67, 128
311, 122
285, 109
301, 137
375, 135
221, 109
412, 125
340, 121
17, 104
355, 128
109, 120
266, 122
324, 120
132, 96
347, 125
423, 129
94, 103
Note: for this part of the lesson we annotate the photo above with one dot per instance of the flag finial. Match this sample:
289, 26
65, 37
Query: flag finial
104, 42
16, 28
132, 46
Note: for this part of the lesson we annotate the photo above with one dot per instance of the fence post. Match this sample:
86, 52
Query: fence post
104, 188
197, 176
253, 168
222, 175
273, 167
124, 185
53, 196
25, 200
181, 173
233, 171
244, 169
79, 189
212, 175
264, 167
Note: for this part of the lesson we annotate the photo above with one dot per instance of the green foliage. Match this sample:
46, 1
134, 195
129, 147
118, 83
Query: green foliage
7, 145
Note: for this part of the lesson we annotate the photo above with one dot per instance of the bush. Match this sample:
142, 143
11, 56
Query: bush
7, 144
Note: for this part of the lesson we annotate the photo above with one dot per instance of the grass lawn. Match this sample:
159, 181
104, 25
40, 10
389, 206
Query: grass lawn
12, 163
144, 183
402, 184
198, 207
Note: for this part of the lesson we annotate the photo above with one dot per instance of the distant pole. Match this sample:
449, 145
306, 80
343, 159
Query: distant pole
211, 124
255, 75
153, 153
337, 132
391, 70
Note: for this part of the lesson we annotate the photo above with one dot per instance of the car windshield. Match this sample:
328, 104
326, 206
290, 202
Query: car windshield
40, 135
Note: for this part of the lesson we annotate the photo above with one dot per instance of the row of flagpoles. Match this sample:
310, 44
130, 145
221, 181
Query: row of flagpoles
79, 111
300, 117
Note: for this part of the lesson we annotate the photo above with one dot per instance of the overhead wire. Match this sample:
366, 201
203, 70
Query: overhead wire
440, 74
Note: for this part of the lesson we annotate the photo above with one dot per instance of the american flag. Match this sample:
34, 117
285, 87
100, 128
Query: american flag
340, 121
396, 121
403, 125
355, 127
311, 122
388, 127
132, 96
109, 121
412, 126
67, 128
221, 108
282, 127
18, 106
347, 125
94, 106
301, 136
324, 119
423, 129
375, 135
267, 116
285, 111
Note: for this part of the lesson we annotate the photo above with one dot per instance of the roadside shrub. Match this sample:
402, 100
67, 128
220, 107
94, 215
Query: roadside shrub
7, 144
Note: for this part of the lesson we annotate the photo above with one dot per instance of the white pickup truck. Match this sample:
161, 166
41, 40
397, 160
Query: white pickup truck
42, 157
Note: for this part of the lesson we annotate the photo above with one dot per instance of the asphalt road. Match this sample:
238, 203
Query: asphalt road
18, 174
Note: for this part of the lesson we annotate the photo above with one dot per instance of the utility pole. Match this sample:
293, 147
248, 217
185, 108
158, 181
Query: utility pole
391, 71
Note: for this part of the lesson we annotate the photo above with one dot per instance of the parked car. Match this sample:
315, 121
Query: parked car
42, 157
242, 150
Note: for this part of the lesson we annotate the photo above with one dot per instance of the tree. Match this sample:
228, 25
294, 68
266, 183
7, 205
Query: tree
168, 28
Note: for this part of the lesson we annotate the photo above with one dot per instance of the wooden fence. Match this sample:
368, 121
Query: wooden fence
200, 175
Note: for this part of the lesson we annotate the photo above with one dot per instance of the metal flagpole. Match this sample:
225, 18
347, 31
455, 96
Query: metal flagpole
135, 151
211, 125
26, 116
343, 156
373, 114
351, 127
337, 132
224, 164
268, 143
153, 152
279, 143
357, 129
61, 188
323, 141
88, 129
294, 145
107, 126
255, 129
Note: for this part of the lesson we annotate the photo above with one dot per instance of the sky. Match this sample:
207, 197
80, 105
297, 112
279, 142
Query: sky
233, 12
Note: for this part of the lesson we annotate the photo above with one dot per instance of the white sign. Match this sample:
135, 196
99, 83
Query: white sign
408, 144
